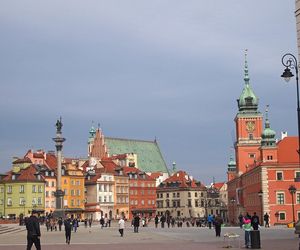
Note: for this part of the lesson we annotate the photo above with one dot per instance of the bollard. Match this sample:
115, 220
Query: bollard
255, 239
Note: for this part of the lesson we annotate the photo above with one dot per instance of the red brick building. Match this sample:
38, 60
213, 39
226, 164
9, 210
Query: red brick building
265, 168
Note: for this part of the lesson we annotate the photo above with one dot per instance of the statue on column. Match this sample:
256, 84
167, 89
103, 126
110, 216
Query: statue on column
58, 126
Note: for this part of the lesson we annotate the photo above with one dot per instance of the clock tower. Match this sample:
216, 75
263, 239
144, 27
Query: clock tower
248, 123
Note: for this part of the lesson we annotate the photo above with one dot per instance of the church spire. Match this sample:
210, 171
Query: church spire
268, 135
246, 76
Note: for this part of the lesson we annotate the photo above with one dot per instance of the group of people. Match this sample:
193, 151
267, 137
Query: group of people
249, 223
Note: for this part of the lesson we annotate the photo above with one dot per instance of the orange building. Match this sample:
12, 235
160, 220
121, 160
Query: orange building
264, 171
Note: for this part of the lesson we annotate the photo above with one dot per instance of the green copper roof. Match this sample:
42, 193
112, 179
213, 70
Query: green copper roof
268, 135
248, 100
148, 153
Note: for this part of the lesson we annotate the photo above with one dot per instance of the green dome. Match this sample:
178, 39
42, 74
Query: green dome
268, 135
248, 100
92, 132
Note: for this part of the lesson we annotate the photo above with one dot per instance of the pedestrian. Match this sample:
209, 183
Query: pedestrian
75, 225
156, 220
85, 222
68, 228
136, 223
60, 222
168, 221
241, 217
90, 222
210, 220
266, 219
121, 226
247, 227
255, 221
102, 222
218, 223
33, 231
162, 221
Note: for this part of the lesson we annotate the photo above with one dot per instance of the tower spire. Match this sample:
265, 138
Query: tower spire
267, 122
246, 77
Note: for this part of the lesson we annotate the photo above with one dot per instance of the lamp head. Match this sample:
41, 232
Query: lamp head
292, 189
287, 74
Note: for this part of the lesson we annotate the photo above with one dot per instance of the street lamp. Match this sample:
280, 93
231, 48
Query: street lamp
260, 195
292, 191
290, 62
232, 200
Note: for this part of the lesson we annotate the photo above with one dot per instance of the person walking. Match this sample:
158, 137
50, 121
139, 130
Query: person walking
266, 219
136, 224
90, 222
121, 226
255, 221
68, 228
241, 217
33, 231
162, 221
218, 224
102, 222
210, 220
60, 222
156, 220
75, 225
247, 227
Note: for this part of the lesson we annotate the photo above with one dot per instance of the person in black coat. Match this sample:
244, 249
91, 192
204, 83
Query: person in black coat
255, 221
33, 231
68, 228
136, 223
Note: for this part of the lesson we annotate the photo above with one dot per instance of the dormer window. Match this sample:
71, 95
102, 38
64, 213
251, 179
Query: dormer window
63, 171
47, 173
52, 173
39, 177
89, 177
13, 177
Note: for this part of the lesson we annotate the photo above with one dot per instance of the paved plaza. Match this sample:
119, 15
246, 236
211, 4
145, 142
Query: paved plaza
149, 238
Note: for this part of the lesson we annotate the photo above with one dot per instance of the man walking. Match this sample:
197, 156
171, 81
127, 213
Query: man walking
266, 219
218, 224
68, 228
33, 231
255, 221
136, 224
121, 226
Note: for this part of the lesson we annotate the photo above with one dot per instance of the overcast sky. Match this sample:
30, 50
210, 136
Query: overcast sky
142, 69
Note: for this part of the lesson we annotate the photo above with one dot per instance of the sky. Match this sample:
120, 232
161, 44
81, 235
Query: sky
170, 70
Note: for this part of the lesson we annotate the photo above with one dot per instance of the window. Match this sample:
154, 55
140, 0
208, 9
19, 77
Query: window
251, 155
178, 195
13, 177
1, 201
250, 136
9, 202
65, 181
40, 189
78, 192
33, 201
280, 198
78, 183
72, 182
72, 192
33, 189
1, 189
167, 195
298, 198
269, 157
66, 191
39, 200
22, 201
47, 204
47, 193
22, 189
47, 184
196, 203
142, 202
9, 189
100, 198
279, 176
297, 174
52, 184
196, 195
281, 215
161, 195
78, 202
189, 203
189, 194
72, 203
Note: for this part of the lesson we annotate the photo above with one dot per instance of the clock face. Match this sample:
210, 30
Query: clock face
250, 126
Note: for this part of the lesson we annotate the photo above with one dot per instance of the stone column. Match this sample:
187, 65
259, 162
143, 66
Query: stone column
59, 193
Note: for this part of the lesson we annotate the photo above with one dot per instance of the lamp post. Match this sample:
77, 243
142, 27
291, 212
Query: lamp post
232, 200
290, 62
292, 191
260, 195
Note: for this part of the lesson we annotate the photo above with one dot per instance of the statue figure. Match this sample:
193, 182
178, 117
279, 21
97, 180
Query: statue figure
58, 125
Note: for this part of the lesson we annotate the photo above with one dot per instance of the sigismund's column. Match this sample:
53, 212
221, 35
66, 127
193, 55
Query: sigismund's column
59, 193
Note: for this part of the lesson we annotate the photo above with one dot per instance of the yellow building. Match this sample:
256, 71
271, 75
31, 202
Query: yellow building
73, 186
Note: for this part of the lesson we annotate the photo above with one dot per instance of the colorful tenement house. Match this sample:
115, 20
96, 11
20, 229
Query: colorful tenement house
265, 169
21, 190
142, 193
181, 196
73, 187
